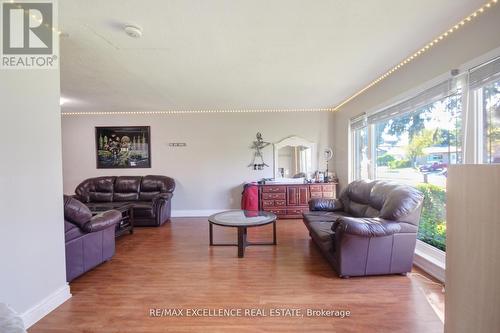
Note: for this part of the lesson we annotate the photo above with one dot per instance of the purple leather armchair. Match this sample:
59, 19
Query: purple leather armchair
90, 240
370, 230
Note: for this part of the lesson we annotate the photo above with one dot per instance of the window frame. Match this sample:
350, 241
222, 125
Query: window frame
356, 124
480, 149
428, 257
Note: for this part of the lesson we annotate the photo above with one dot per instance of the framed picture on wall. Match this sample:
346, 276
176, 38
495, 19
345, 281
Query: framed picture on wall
123, 147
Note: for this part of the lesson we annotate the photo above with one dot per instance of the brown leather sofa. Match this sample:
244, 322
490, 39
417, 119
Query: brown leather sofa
370, 230
150, 195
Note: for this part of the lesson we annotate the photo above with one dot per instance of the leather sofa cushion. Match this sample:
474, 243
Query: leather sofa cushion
127, 188
100, 197
148, 196
127, 184
387, 200
75, 211
367, 227
323, 234
371, 212
68, 226
399, 202
98, 189
143, 209
101, 189
327, 205
357, 209
320, 216
361, 210
71, 231
120, 197
359, 191
102, 221
323, 230
152, 183
102, 184
152, 186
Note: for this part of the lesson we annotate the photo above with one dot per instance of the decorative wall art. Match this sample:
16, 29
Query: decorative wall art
258, 160
123, 147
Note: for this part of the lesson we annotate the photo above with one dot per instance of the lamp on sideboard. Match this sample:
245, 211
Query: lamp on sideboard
328, 155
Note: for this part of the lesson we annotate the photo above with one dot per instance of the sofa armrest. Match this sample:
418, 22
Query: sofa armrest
366, 227
103, 220
160, 200
163, 196
327, 205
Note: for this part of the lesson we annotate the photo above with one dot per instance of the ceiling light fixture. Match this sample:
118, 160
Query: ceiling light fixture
424, 49
133, 31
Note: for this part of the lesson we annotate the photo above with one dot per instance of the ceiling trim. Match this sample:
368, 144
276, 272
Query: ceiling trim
473, 16
419, 52
193, 111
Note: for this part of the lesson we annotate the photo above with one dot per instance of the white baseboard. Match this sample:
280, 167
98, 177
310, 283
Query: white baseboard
47, 305
196, 213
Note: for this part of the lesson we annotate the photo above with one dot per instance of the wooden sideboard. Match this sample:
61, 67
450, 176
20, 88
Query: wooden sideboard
289, 201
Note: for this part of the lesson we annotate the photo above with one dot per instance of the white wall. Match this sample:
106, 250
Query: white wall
32, 260
209, 172
472, 41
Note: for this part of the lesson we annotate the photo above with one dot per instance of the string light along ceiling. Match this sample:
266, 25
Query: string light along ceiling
403, 63
419, 52
192, 111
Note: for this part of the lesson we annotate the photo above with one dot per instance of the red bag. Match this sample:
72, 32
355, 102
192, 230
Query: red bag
250, 197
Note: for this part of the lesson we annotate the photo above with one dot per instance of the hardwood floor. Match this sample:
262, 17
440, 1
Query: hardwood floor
173, 267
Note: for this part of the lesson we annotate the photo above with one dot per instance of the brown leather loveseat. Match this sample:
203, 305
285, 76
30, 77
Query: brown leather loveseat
370, 230
150, 195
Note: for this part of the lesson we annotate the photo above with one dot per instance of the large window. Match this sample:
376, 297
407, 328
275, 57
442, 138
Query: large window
491, 116
416, 148
487, 99
414, 141
484, 86
359, 137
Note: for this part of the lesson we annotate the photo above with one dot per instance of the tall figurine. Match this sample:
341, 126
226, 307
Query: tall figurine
258, 145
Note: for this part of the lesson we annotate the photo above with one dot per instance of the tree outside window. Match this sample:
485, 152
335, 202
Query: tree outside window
416, 148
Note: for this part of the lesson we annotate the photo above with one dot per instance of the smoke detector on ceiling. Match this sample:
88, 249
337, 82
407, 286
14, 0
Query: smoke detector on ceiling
133, 31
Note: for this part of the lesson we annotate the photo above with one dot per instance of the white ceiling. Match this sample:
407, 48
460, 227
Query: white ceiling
236, 54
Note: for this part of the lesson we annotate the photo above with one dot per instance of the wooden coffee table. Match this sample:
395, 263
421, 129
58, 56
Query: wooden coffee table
126, 224
242, 219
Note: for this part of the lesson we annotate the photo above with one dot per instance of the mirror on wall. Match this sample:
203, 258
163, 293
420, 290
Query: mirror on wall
294, 157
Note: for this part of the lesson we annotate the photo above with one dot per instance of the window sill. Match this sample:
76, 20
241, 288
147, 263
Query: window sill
431, 260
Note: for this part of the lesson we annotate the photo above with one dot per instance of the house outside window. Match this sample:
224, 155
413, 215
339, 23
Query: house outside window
415, 140
416, 148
